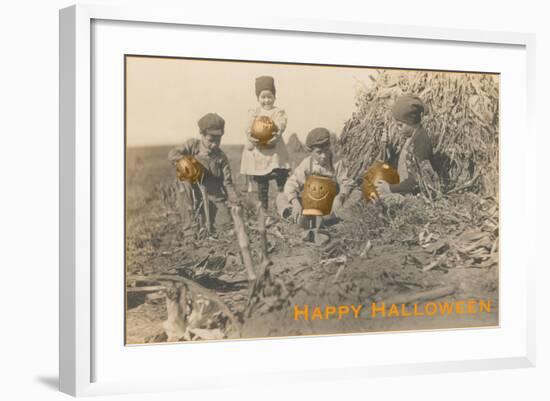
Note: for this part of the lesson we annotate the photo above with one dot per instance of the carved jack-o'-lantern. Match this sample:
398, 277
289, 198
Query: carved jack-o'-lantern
378, 171
263, 128
189, 169
318, 194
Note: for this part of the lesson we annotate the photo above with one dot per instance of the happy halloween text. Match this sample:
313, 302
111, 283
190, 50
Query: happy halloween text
382, 310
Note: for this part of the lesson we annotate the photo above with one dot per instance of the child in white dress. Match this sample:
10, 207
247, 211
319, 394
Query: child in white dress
264, 162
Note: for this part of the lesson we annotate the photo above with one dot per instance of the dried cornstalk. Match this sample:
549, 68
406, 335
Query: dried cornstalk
195, 287
244, 244
263, 235
461, 118
206, 207
364, 253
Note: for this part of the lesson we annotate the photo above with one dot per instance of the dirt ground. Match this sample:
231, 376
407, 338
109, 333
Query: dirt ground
376, 254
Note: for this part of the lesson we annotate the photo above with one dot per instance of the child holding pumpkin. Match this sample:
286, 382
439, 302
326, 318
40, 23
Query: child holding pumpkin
210, 165
319, 163
266, 159
412, 155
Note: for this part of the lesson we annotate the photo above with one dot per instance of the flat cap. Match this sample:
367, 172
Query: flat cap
317, 137
408, 109
265, 83
211, 121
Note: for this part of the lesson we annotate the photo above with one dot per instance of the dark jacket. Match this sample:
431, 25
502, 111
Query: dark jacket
217, 179
419, 154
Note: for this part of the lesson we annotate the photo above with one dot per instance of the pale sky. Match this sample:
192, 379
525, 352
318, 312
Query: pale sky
166, 97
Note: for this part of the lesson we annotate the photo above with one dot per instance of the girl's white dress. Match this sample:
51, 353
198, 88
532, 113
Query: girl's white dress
261, 159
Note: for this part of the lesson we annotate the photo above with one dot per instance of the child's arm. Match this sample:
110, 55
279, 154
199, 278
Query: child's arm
228, 180
179, 152
345, 183
422, 151
252, 114
407, 186
295, 183
293, 186
280, 120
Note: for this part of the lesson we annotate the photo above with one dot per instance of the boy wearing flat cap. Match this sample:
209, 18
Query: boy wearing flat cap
216, 177
319, 163
412, 156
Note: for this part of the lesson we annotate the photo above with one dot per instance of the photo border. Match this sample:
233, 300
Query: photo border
303, 64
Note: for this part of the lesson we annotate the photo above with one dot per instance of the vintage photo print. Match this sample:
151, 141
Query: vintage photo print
267, 200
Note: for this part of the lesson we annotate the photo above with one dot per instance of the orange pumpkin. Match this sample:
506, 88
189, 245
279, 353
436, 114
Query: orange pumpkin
263, 128
318, 195
378, 171
189, 169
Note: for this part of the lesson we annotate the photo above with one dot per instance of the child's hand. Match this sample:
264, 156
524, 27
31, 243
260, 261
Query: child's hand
382, 187
274, 139
251, 138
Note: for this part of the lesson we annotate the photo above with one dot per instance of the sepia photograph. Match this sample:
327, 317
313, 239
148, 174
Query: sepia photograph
269, 200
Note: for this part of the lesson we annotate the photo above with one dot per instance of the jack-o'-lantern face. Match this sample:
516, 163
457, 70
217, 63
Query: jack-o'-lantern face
318, 195
318, 191
263, 128
189, 169
379, 171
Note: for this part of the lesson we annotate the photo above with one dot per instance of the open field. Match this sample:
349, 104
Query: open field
410, 252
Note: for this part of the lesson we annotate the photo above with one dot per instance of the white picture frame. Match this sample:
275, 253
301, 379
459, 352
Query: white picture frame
78, 196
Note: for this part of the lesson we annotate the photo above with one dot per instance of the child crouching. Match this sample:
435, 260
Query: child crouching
412, 156
319, 163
